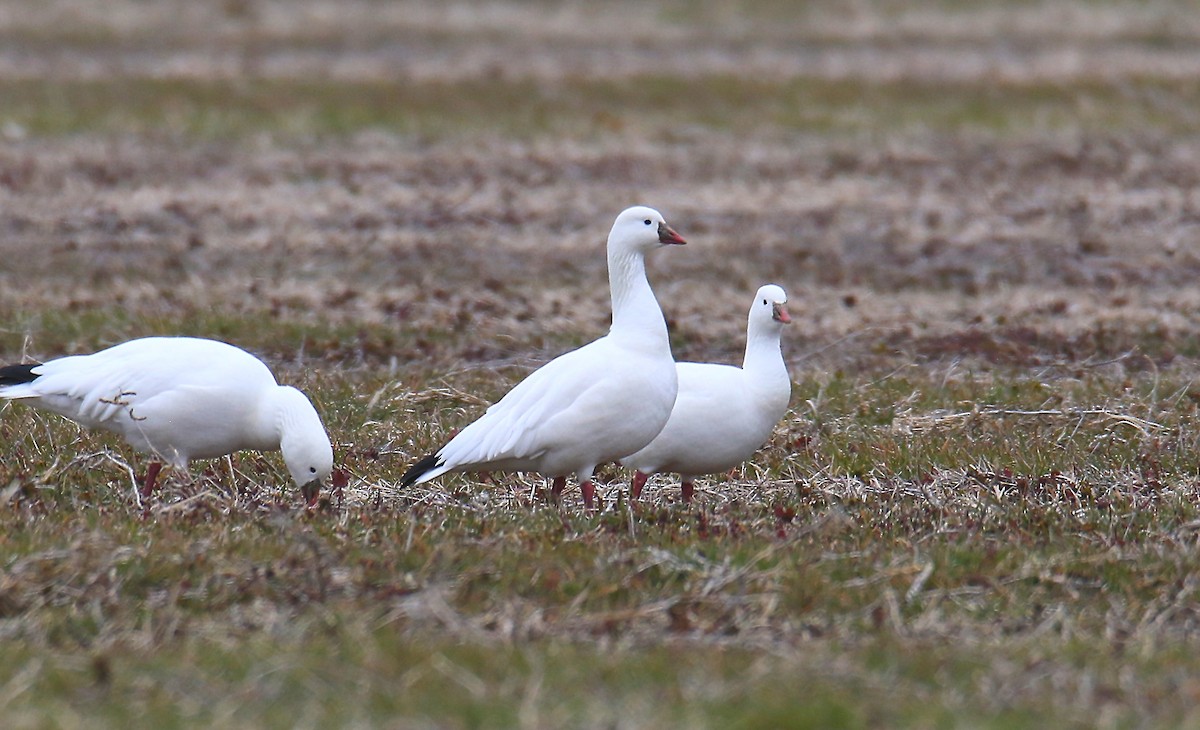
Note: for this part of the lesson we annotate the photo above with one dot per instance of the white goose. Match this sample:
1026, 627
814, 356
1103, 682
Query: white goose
723, 413
588, 406
178, 399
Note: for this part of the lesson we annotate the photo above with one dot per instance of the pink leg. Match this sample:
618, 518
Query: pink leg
635, 487
560, 483
589, 492
152, 470
687, 488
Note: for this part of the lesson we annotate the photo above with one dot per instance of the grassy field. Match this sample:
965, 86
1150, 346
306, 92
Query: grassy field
980, 511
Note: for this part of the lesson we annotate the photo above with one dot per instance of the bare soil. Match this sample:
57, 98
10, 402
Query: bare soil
1012, 253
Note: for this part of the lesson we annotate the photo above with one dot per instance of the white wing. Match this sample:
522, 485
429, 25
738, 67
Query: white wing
102, 388
515, 426
592, 404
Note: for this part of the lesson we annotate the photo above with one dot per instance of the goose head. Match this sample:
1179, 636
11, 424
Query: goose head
769, 307
641, 229
305, 445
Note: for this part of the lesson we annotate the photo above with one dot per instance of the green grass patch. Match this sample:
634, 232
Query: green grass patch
646, 105
229, 617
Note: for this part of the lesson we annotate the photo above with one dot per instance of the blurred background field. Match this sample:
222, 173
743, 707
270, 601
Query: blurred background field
980, 511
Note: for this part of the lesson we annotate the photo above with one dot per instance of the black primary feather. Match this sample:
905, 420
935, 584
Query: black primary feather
415, 471
17, 374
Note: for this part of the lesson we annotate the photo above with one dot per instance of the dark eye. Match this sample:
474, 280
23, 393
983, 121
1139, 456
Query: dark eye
764, 301
647, 221
312, 470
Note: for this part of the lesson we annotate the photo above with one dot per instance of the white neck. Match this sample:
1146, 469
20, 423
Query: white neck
635, 311
765, 374
278, 412
764, 356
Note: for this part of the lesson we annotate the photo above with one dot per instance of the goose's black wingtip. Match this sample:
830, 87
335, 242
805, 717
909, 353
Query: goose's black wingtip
17, 374
415, 471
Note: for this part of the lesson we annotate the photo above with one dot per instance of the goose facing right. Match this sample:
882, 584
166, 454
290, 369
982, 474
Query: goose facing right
723, 414
179, 399
588, 406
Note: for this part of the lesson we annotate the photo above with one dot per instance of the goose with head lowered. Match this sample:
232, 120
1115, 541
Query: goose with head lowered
588, 406
723, 414
178, 399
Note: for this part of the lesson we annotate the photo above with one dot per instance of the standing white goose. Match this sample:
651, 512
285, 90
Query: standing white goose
723, 413
588, 406
181, 398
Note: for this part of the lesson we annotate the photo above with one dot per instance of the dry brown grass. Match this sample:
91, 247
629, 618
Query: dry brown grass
1063, 41
1008, 253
